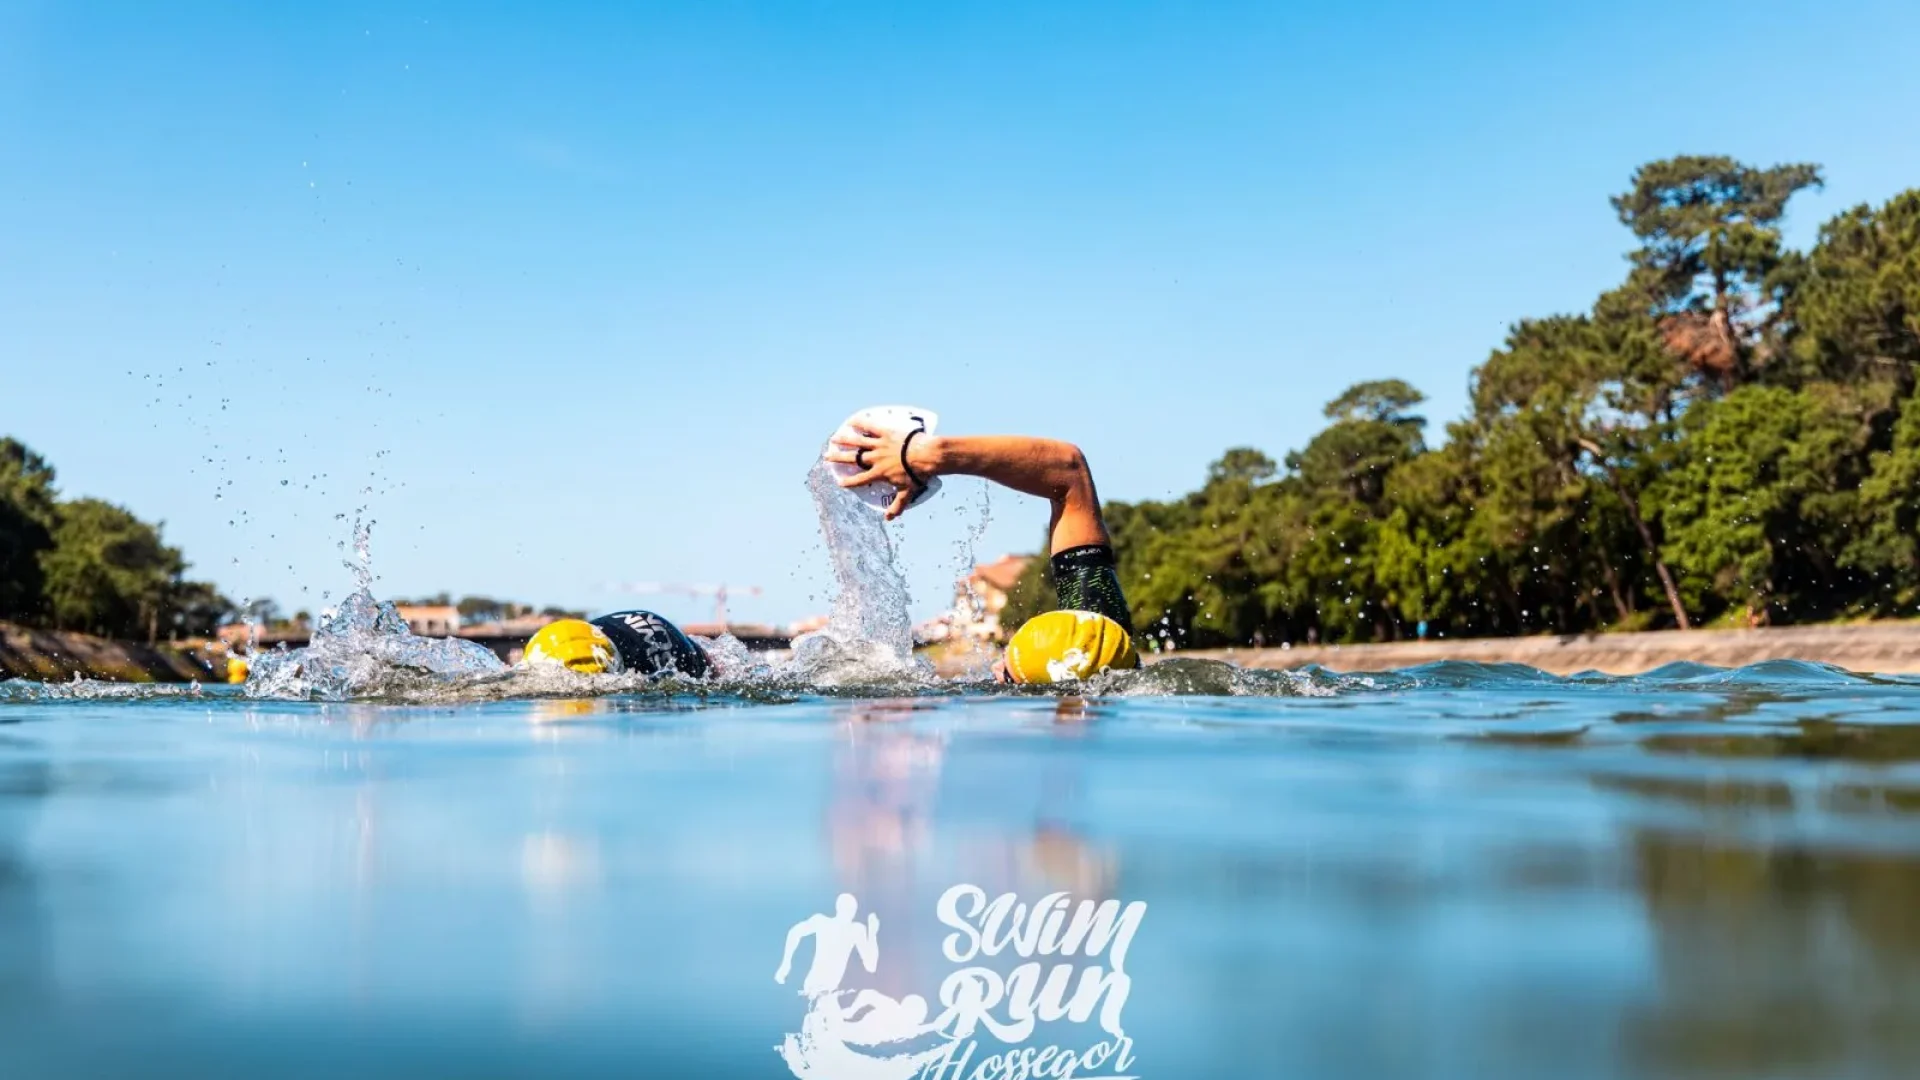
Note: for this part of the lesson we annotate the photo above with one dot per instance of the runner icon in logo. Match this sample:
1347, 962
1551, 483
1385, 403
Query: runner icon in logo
836, 938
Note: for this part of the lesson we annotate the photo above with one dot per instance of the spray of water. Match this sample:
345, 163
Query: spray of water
363, 648
869, 634
972, 659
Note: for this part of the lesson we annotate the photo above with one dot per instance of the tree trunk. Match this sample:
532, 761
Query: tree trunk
1621, 603
1722, 323
1659, 566
1512, 599
1646, 534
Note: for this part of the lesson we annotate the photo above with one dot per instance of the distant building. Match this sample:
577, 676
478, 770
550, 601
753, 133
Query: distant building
431, 620
506, 637
934, 630
517, 629
524, 625
808, 625
743, 631
980, 596
242, 637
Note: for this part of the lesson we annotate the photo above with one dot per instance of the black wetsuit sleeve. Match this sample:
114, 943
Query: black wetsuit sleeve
651, 645
1086, 580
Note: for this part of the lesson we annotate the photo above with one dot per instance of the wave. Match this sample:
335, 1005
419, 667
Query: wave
379, 661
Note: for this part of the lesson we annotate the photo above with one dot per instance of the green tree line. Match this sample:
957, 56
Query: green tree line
88, 565
1729, 436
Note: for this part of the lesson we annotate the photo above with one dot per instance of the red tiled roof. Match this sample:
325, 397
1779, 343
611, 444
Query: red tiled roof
1003, 572
446, 613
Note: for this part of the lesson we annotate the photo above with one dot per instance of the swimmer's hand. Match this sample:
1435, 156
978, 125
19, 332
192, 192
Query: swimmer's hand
878, 452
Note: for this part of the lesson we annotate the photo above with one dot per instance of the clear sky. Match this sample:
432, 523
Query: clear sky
571, 293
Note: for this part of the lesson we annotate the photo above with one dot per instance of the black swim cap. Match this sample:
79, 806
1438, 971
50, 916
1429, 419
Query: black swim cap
650, 644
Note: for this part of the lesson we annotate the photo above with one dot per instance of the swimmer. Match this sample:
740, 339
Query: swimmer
623, 642
1093, 630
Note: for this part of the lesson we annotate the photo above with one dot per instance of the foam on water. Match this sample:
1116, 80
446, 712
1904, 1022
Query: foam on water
389, 664
28, 691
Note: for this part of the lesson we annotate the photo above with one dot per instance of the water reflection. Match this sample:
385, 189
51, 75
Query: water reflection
561, 710
906, 820
1777, 957
1816, 737
24, 781
1780, 884
1456, 882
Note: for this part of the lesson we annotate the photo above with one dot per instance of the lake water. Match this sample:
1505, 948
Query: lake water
1461, 871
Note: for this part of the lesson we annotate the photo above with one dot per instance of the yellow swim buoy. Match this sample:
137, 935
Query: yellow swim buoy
1066, 646
575, 644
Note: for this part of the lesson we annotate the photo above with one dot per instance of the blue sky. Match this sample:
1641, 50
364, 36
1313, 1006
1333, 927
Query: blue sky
569, 295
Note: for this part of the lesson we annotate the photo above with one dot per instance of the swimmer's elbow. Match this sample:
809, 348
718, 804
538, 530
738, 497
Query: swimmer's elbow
1059, 458
1073, 465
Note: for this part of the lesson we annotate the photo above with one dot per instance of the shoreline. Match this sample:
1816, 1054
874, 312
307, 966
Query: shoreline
1880, 648
59, 655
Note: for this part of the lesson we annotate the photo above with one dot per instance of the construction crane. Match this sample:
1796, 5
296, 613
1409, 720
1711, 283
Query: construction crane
718, 592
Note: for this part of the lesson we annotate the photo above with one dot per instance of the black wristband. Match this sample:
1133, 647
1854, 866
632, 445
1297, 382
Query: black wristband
919, 485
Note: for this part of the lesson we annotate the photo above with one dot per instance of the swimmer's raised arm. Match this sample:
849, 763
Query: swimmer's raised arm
1048, 468
1092, 630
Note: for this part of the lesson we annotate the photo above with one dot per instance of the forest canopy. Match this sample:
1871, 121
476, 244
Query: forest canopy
91, 566
1728, 436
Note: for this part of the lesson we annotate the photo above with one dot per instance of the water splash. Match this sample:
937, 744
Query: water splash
396, 668
33, 692
360, 561
364, 649
967, 656
733, 662
869, 634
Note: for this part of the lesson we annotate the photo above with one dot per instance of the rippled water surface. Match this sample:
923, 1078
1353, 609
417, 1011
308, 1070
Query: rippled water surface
1461, 871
